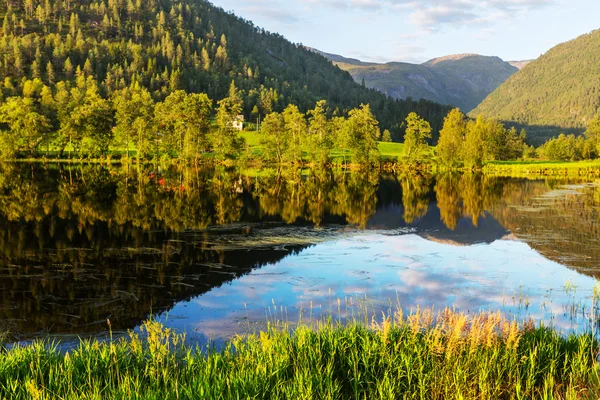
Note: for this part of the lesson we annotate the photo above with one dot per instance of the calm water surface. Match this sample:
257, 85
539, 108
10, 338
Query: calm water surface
215, 253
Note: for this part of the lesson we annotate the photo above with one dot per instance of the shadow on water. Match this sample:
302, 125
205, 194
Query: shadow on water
85, 244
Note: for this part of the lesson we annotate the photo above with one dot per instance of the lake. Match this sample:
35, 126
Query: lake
217, 252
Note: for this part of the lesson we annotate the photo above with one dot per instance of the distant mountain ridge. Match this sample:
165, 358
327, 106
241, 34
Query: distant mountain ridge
461, 80
519, 64
558, 92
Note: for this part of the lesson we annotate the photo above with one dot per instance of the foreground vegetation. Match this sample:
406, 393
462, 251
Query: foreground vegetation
450, 356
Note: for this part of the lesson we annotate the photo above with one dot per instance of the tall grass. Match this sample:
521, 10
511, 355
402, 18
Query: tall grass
422, 356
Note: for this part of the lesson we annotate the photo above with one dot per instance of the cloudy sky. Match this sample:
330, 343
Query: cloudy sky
418, 30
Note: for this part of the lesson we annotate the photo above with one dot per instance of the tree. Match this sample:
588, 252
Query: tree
514, 144
295, 128
341, 135
183, 121
26, 126
416, 133
387, 136
319, 143
451, 140
363, 132
273, 138
473, 149
225, 140
593, 133
134, 117
95, 116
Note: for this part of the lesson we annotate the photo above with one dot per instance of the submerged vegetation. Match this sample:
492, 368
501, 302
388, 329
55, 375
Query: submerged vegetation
427, 356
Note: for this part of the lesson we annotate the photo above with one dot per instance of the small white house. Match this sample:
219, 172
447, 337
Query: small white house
238, 123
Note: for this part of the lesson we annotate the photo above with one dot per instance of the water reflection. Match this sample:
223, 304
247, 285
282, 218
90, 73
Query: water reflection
82, 244
376, 272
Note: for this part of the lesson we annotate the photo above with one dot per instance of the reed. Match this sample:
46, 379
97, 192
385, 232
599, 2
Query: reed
447, 355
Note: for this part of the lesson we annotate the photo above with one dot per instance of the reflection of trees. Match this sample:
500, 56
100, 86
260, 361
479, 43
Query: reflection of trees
311, 197
70, 282
564, 227
448, 199
415, 195
355, 196
80, 244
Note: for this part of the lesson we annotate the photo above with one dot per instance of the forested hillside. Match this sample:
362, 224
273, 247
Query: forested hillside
166, 45
461, 80
558, 91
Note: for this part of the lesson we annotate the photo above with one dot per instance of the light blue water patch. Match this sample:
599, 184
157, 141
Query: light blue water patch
380, 271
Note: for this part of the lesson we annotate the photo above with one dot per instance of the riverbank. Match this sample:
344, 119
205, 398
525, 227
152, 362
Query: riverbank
529, 168
424, 356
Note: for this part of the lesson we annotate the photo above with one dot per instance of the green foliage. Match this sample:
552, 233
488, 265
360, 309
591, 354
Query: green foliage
417, 132
361, 131
473, 150
273, 139
387, 136
593, 133
296, 130
26, 127
183, 120
134, 117
320, 138
452, 138
85, 118
568, 148
225, 140
474, 142
558, 91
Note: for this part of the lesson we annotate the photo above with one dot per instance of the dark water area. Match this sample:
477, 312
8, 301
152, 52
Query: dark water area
214, 253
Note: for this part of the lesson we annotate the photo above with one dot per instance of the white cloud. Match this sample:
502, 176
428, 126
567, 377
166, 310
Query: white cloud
433, 14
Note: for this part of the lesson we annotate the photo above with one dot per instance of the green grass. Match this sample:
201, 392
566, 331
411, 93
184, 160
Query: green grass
542, 168
389, 151
423, 357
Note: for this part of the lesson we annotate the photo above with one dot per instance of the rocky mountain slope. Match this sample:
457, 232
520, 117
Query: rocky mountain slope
461, 80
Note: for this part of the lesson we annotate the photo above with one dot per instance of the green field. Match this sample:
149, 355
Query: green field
458, 357
389, 151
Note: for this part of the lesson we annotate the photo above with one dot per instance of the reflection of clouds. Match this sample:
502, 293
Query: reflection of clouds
506, 276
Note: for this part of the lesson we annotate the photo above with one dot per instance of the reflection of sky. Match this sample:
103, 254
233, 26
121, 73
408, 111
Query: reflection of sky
406, 269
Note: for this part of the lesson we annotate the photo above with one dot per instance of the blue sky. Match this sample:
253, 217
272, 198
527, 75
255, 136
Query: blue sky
418, 30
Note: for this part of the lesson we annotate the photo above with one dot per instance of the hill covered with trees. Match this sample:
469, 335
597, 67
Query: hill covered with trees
167, 45
560, 91
461, 80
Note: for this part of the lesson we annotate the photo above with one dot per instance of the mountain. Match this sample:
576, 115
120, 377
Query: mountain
519, 64
560, 91
461, 80
167, 45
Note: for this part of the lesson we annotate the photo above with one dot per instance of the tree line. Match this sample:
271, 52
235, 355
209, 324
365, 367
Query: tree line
465, 142
574, 148
76, 120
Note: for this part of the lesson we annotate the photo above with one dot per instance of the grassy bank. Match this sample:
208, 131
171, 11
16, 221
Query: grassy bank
450, 356
542, 168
